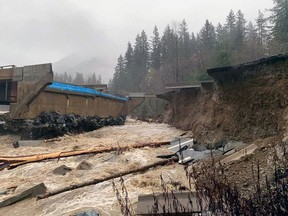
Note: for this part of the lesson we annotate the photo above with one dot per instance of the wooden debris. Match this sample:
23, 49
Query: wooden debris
107, 178
12, 162
31, 192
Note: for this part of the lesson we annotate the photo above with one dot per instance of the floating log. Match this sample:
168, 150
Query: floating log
107, 178
12, 162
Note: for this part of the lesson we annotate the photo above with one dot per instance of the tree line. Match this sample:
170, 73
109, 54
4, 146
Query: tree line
181, 56
78, 79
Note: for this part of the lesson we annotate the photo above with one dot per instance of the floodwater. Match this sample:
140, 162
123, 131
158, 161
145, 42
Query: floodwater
101, 196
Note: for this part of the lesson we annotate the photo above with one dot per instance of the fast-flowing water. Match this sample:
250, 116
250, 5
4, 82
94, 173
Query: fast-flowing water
101, 196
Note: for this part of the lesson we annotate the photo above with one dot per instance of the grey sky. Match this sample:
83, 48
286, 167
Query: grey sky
38, 31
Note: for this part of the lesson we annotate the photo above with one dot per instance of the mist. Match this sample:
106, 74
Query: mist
88, 36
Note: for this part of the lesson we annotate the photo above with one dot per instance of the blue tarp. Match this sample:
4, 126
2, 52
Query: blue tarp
80, 89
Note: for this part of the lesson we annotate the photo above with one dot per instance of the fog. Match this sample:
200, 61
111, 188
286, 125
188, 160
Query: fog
87, 36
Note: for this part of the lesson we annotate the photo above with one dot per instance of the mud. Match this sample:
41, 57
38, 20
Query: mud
244, 111
246, 104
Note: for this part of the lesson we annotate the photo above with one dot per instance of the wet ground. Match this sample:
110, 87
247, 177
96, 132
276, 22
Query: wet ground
100, 196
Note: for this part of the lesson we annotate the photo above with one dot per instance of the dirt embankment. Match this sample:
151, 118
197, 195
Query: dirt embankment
251, 106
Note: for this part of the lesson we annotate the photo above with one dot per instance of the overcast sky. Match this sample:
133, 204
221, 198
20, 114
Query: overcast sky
38, 31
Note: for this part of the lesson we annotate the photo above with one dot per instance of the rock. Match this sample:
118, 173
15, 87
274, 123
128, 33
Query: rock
198, 147
216, 145
61, 170
246, 184
88, 212
281, 173
84, 165
3, 192
233, 144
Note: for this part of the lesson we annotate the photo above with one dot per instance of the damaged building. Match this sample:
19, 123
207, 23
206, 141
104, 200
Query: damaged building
26, 92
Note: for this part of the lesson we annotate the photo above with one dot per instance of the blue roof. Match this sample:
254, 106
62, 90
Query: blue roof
80, 89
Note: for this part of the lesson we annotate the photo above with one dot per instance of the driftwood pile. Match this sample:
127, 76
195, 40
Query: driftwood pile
53, 124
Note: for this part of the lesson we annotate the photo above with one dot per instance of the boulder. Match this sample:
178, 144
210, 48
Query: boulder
84, 165
61, 170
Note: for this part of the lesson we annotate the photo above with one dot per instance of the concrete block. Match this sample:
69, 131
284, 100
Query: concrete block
17, 74
30, 143
34, 73
32, 192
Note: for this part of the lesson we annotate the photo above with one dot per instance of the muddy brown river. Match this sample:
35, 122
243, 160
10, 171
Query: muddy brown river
101, 196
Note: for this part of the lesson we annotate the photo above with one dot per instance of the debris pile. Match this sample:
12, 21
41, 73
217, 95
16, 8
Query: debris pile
53, 124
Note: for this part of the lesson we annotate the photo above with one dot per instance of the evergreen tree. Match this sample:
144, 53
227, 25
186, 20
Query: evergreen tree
99, 80
194, 45
184, 41
261, 28
231, 28
167, 47
279, 20
93, 79
129, 55
89, 82
156, 50
170, 56
223, 56
254, 47
141, 61
207, 44
79, 79
119, 78
129, 66
240, 33
208, 36
179, 56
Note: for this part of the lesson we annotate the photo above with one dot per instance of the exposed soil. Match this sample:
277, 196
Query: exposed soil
243, 111
250, 107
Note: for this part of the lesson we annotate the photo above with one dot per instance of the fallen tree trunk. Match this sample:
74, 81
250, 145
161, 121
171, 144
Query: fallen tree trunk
20, 160
99, 180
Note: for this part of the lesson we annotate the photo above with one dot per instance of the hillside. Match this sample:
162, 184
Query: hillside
246, 102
